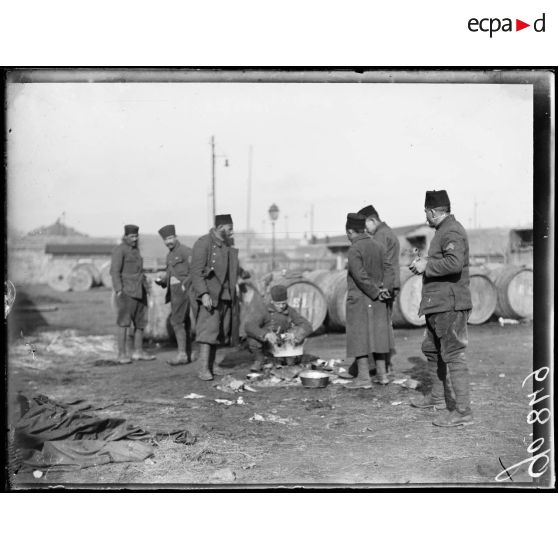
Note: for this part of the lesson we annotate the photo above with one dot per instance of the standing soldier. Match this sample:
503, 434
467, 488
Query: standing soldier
367, 316
446, 303
177, 281
383, 234
215, 271
130, 286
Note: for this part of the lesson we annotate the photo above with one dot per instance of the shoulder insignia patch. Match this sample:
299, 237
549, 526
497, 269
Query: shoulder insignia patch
450, 246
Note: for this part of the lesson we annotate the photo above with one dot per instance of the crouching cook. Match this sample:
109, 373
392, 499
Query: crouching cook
267, 325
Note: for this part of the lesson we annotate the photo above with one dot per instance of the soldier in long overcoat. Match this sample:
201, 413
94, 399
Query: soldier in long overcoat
382, 233
367, 327
130, 287
215, 271
446, 304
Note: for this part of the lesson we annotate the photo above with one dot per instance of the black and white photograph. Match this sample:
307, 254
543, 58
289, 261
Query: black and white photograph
279, 277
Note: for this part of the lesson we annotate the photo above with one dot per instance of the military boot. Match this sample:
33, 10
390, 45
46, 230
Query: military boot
381, 375
440, 391
362, 381
213, 366
461, 415
204, 372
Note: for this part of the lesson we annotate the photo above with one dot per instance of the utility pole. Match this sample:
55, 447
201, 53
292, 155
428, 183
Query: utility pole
213, 212
311, 222
248, 202
476, 221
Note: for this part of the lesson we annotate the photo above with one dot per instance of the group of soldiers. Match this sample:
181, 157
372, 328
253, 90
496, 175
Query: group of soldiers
205, 279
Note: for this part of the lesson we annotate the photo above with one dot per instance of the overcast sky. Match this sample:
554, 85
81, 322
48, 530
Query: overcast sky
110, 154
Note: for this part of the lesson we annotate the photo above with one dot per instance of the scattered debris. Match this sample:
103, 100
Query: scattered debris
407, 383
194, 396
396, 402
208, 457
240, 401
37, 474
224, 401
250, 388
229, 384
254, 376
223, 475
341, 381
501, 375
270, 417
287, 372
507, 321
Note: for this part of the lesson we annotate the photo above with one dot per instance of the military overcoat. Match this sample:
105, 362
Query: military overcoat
367, 326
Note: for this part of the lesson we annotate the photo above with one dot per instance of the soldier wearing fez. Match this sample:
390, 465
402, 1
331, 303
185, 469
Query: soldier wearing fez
215, 271
383, 234
446, 304
131, 287
266, 324
368, 327
177, 281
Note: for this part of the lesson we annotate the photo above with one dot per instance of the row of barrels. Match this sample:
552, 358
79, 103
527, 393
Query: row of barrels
504, 291
68, 276
320, 296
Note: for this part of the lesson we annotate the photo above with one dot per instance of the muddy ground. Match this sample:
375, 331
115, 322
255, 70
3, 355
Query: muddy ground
329, 436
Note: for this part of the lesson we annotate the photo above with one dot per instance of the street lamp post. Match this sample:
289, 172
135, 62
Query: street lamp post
273, 215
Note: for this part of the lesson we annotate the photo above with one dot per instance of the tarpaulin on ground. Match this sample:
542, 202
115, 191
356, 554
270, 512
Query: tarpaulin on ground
52, 434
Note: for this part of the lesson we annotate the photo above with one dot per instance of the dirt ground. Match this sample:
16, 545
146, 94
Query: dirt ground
329, 436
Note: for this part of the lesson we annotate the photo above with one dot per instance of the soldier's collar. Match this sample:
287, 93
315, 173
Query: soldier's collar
215, 237
446, 219
361, 236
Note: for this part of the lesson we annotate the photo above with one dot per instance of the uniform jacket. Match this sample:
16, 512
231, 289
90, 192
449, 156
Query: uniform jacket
367, 324
178, 266
388, 239
445, 283
126, 271
267, 318
212, 259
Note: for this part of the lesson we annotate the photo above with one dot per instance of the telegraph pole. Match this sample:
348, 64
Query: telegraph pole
213, 212
249, 202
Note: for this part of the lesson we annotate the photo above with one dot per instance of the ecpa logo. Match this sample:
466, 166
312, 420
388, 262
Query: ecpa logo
493, 25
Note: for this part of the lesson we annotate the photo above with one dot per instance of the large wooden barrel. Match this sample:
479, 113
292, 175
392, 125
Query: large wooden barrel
483, 295
106, 279
514, 285
84, 276
307, 299
333, 285
57, 276
405, 309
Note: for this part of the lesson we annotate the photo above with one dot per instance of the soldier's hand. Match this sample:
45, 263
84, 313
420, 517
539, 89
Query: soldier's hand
271, 337
418, 266
384, 295
207, 302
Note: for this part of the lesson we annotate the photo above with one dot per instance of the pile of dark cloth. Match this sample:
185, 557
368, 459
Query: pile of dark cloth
70, 435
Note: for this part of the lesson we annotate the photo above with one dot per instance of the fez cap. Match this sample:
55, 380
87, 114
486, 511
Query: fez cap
355, 221
279, 293
131, 229
368, 211
225, 219
436, 198
167, 230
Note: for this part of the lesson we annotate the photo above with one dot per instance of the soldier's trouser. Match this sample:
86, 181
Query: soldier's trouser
180, 318
444, 344
214, 327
